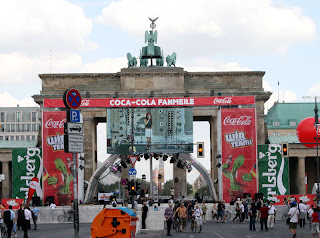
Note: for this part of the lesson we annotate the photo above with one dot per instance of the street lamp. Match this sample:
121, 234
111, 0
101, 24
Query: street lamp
316, 125
159, 184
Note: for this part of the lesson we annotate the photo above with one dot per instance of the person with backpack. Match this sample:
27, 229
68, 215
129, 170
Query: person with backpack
8, 217
114, 203
294, 219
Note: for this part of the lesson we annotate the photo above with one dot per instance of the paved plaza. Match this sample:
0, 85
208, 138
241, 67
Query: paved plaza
210, 230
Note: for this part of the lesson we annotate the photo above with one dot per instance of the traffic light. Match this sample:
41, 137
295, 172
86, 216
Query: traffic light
138, 186
128, 185
132, 190
285, 149
200, 149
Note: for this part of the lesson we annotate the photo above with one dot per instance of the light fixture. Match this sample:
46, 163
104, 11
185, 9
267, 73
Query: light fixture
218, 165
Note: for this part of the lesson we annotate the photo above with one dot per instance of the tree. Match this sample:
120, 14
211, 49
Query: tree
203, 191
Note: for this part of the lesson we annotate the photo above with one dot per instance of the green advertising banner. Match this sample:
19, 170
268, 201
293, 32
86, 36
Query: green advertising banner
273, 171
27, 167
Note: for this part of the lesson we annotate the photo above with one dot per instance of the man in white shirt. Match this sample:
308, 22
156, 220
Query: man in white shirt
27, 218
53, 205
302, 213
271, 213
310, 211
198, 215
294, 218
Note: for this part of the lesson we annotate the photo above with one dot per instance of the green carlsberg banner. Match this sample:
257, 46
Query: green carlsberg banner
27, 167
273, 171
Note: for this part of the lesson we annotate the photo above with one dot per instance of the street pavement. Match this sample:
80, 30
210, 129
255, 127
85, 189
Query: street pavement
210, 230
231, 230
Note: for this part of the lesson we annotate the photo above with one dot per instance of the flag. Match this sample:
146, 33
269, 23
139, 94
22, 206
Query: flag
253, 171
45, 174
2, 206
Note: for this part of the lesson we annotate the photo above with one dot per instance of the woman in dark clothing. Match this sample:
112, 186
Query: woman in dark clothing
238, 213
253, 216
20, 218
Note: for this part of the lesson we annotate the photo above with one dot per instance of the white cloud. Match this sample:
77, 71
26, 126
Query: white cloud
314, 90
106, 65
208, 65
39, 25
207, 27
7, 100
284, 95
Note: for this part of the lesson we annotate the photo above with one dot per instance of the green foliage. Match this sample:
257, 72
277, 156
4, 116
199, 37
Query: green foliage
52, 180
203, 191
247, 177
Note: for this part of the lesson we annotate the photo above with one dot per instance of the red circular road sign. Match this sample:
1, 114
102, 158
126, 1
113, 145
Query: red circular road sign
72, 98
123, 181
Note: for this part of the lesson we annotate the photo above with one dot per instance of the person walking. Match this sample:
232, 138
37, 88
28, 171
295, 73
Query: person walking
264, 216
204, 212
198, 215
294, 218
271, 213
315, 223
246, 208
302, 213
27, 218
168, 214
310, 212
35, 212
144, 215
253, 216
8, 217
238, 213
182, 214
220, 211
20, 217
242, 212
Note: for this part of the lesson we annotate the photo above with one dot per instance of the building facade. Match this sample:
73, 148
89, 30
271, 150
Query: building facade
19, 123
282, 121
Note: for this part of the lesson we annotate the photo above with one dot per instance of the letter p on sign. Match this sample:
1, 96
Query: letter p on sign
74, 116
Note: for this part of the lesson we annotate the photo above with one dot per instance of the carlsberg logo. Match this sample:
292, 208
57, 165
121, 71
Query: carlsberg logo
274, 174
30, 160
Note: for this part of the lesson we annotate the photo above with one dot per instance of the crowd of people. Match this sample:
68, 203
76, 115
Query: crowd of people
20, 219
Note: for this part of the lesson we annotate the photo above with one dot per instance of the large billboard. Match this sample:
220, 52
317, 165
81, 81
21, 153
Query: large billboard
273, 171
149, 130
238, 132
27, 170
58, 165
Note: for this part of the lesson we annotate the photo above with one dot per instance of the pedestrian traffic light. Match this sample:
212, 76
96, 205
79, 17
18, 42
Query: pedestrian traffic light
200, 149
128, 185
285, 151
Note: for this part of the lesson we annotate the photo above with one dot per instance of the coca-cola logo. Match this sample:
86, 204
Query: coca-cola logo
85, 103
225, 100
243, 120
55, 124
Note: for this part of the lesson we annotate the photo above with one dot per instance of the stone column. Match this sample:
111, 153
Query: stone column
90, 147
301, 175
180, 187
6, 181
213, 147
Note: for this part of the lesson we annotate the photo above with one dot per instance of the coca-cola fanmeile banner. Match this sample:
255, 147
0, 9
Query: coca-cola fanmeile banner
239, 149
57, 175
157, 102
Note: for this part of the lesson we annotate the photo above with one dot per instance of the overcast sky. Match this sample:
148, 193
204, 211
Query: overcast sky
276, 36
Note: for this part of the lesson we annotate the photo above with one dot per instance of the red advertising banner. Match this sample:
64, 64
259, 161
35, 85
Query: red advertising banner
239, 150
311, 199
15, 203
57, 177
157, 102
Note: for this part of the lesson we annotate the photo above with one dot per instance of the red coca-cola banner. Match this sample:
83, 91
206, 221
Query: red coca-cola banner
311, 199
239, 150
156, 102
57, 177
15, 203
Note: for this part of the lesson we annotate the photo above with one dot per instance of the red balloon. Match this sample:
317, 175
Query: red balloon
306, 132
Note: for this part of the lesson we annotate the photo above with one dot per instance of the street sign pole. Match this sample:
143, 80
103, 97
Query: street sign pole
75, 196
74, 143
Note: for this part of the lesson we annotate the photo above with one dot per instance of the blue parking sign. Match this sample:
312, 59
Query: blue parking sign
73, 115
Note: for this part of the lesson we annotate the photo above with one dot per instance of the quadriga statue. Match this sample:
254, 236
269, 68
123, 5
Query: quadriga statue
171, 59
132, 61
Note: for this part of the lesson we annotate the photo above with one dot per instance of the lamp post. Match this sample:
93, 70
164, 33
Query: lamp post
316, 125
159, 184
